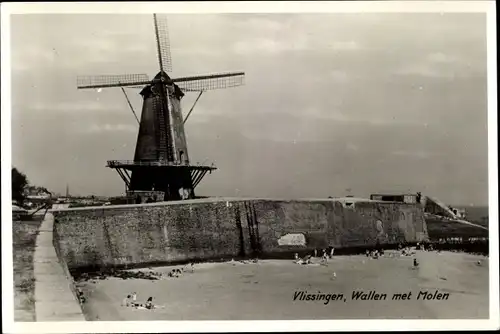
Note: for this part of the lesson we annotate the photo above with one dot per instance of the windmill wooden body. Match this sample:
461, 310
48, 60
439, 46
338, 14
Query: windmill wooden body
161, 161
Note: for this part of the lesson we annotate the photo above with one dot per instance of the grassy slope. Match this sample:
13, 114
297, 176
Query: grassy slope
474, 214
477, 214
24, 238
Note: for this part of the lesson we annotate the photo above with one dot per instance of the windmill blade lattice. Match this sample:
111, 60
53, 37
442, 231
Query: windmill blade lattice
210, 82
162, 42
103, 81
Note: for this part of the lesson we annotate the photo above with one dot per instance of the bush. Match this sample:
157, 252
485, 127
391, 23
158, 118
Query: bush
19, 182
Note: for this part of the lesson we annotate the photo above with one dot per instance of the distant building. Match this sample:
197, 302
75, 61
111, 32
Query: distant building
402, 198
36, 192
460, 213
431, 205
34, 196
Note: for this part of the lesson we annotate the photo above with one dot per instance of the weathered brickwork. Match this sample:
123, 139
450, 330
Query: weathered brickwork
201, 229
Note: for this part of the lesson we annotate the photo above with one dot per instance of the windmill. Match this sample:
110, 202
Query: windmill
161, 162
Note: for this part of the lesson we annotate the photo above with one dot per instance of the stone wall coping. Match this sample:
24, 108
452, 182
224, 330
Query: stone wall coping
227, 199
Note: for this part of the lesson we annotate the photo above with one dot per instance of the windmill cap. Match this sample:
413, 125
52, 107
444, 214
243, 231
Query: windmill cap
146, 91
163, 75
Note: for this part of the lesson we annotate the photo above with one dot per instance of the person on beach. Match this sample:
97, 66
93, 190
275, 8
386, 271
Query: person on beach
324, 258
189, 265
305, 260
127, 301
149, 303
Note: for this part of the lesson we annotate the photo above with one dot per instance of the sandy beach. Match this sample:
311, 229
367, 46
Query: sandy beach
456, 285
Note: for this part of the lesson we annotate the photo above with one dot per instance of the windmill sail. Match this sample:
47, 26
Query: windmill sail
210, 82
103, 81
162, 42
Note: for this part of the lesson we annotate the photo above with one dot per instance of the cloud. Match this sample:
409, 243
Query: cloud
77, 53
439, 57
337, 116
100, 49
293, 43
24, 58
438, 65
266, 24
96, 43
340, 76
414, 154
345, 45
72, 106
267, 45
426, 70
352, 147
111, 128
197, 51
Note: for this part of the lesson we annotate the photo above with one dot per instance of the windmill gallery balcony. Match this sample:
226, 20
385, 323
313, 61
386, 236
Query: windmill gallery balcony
154, 163
161, 175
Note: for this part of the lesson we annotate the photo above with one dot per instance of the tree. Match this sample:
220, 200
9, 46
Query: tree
19, 182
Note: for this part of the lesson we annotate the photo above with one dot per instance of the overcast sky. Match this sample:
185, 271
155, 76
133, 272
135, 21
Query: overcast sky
333, 103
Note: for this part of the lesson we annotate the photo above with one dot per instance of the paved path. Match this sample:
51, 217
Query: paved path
54, 300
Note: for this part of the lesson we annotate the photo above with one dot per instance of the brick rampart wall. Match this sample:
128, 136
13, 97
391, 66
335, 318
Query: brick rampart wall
203, 229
